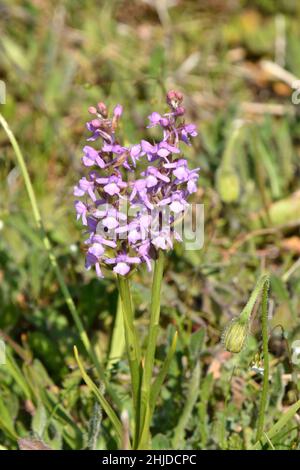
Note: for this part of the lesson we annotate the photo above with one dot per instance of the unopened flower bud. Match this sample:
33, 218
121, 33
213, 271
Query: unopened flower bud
102, 109
118, 111
174, 98
171, 95
235, 335
92, 110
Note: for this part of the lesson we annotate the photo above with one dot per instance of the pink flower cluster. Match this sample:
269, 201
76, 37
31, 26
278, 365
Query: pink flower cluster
133, 195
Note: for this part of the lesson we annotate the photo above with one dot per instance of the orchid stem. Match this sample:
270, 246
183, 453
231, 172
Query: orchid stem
150, 352
132, 346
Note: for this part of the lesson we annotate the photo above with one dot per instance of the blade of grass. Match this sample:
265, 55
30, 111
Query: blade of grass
205, 394
192, 396
157, 384
269, 441
16, 373
47, 244
6, 421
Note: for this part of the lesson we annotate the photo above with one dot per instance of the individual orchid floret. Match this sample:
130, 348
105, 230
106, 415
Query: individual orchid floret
156, 119
91, 157
122, 263
81, 211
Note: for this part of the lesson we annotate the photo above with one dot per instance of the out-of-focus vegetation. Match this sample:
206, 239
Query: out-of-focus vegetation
236, 62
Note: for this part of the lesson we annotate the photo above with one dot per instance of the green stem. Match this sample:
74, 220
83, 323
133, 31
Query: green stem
150, 352
117, 345
47, 244
132, 346
247, 310
265, 389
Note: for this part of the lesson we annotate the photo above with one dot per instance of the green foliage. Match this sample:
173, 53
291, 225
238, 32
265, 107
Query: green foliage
56, 60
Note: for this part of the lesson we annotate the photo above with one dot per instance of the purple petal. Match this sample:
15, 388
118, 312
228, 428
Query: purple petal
154, 119
110, 222
98, 271
111, 189
181, 173
151, 181
78, 192
96, 249
121, 268
147, 147
163, 152
177, 206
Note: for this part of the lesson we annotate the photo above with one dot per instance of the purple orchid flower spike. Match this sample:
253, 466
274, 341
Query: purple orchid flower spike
131, 203
152, 178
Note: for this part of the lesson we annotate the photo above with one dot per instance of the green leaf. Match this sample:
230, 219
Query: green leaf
39, 420
6, 422
205, 392
103, 402
156, 387
16, 373
196, 342
161, 442
192, 396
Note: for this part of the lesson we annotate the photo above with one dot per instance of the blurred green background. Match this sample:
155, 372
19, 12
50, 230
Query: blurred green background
236, 62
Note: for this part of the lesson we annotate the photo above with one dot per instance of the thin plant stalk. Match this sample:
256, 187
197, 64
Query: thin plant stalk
262, 285
132, 347
47, 244
265, 338
150, 352
247, 311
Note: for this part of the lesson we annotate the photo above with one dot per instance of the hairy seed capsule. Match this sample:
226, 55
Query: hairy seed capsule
235, 335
